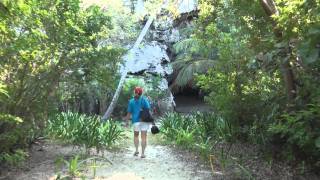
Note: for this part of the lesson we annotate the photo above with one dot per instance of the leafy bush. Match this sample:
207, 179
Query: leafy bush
55, 64
172, 122
84, 130
212, 125
196, 131
13, 159
110, 132
185, 138
12, 133
77, 166
203, 125
300, 131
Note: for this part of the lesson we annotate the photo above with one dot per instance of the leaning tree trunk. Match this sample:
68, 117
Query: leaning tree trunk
129, 57
288, 76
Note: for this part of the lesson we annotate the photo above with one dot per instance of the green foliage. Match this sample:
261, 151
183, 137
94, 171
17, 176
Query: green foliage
248, 84
130, 84
224, 157
154, 92
300, 129
240, 100
12, 134
183, 131
125, 26
196, 131
204, 148
56, 55
213, 126
194, 56
149, 84
84, 130
187, 69
110, 132
6, 118
45, 43
185, 138
172, 122
73, 169
3, 90
13, 159
77, 166
203, 125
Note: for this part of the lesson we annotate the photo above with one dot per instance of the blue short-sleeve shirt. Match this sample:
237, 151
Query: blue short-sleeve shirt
135, 105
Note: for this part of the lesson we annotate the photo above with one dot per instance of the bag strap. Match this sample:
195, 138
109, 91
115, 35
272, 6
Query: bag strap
141, 105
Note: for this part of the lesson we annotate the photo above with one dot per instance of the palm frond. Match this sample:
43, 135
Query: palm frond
178, 64
187, 45
187, 31
193, 47
185, 75
187, 69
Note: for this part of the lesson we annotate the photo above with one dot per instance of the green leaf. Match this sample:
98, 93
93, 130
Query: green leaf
314, 31
312, 56
280, 45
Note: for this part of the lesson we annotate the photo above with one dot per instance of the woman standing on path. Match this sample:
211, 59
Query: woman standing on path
134, 107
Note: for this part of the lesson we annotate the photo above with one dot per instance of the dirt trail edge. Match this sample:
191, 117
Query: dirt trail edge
161, 163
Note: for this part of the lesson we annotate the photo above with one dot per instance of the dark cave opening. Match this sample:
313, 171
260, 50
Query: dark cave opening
189, 100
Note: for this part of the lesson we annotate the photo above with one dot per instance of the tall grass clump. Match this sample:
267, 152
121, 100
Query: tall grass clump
83, 130
198, 131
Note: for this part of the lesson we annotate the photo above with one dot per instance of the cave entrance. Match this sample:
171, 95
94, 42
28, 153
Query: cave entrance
189, 100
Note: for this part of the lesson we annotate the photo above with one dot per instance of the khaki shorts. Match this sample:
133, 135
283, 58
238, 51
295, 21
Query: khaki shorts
141, 126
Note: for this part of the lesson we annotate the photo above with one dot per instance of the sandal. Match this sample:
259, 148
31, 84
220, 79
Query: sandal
136, 153
143, 156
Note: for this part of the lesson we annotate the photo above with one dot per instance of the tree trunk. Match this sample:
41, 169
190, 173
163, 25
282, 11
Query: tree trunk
131, 54
288, 75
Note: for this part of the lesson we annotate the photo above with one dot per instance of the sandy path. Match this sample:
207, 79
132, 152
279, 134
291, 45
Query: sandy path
162, 163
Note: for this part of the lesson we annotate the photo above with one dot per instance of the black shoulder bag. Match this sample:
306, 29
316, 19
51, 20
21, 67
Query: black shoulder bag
145, 115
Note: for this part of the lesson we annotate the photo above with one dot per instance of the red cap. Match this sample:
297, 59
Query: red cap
138, 90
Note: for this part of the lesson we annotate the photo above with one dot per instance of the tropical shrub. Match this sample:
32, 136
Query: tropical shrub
173, 122
199, 131
300, 131
13, 135
185, 138
84, 130
13, 159
51, 60
213, 126
264, 81
78, 166
8, 138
